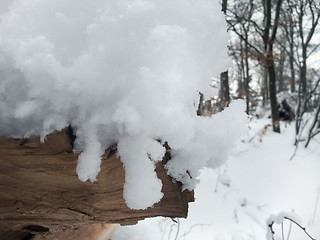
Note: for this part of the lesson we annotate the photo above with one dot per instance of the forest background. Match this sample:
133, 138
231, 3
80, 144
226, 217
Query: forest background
275, 50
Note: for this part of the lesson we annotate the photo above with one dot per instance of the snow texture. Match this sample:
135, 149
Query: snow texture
124, 71
234, 201
279, 219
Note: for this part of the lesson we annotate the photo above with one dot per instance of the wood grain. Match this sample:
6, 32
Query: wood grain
88, 232
40, 190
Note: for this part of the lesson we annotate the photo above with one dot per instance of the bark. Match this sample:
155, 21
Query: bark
280, 70
247, 77
265, 96
224, 89
291, 55
224, 6
39, 188
269, 41
200, 105
273, 94
88, 232
293, 78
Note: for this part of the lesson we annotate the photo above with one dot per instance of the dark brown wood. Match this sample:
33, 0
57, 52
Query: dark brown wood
6, 233
40, 190
95, 231
89, 232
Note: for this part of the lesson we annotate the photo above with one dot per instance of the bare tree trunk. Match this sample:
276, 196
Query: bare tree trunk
269, 41
247, 77
224, 6
303, 73
291, 55
292, 78
280, 70
201, 104
224, 89
273, 93
243, 74
265, 97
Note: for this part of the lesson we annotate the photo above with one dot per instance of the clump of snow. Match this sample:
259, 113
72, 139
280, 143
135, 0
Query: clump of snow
143, 189
280, 217
213, 141
125, 71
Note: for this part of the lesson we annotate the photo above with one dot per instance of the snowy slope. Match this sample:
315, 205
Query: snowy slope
259, 180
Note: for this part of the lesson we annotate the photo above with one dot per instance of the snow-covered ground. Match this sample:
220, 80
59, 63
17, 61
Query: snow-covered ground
234, 201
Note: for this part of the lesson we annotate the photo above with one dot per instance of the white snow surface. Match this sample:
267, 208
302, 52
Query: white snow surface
125, 71
257, 185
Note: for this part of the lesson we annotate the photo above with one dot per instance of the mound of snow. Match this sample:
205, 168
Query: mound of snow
124, 71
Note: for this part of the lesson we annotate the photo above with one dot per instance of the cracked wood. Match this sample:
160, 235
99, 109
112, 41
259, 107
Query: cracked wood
39, 187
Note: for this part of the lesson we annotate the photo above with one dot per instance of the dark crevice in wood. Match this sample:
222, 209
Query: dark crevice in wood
167, 155
15, 235
71, 135
113, 150
79, 211
36, 228
23, 141
29, 237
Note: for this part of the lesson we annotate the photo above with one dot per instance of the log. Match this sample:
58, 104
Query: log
87, 232
40, 191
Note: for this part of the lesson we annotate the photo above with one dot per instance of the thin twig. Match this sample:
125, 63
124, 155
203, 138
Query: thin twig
291, 221
316, 207
171, 227
289, 232
302, 228
314, 123
271, 229
178, 229
217, 183
295, 151
193, 226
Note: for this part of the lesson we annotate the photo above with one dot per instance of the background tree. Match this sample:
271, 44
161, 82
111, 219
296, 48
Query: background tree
274, 40
243, 18
224, 89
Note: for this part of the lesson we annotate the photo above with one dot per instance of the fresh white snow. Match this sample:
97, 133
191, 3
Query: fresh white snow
126, 72
129, 72
257, 183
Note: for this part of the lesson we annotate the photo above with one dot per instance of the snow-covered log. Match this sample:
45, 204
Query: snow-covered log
40, 189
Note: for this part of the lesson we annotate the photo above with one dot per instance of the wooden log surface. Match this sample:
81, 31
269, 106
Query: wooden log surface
87, 232
40, 190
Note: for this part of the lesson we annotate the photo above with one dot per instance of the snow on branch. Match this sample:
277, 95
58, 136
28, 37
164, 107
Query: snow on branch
279, 219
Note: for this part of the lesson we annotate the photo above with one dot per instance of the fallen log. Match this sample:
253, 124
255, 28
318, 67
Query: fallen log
40, 191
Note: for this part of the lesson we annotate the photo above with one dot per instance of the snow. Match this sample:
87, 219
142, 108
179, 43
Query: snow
125, 71
208, 151
279, 219
144, 148
129, 72
257, 183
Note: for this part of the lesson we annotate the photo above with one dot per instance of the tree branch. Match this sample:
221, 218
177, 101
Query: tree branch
302, 228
